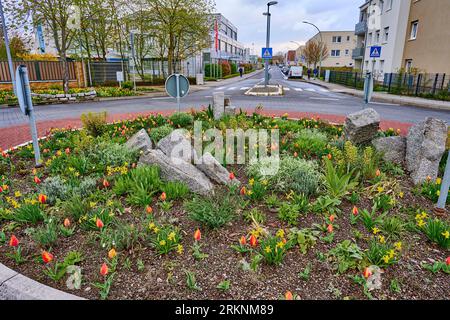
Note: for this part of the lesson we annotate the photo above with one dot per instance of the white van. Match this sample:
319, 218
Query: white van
296, 72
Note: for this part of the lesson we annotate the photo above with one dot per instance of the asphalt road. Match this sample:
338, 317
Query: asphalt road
299, 96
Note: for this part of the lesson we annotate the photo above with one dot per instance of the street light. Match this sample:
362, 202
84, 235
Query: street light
321, 44
271, 3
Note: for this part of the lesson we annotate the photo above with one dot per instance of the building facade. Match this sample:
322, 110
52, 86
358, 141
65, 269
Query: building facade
340, 45
427, 39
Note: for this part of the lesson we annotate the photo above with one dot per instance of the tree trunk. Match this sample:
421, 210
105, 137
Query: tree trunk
65, 69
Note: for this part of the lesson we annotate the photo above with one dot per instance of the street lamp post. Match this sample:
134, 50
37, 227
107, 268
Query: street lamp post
320, 47
272, 3
8, 52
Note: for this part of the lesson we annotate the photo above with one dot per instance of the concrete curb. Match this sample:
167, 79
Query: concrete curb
14, 286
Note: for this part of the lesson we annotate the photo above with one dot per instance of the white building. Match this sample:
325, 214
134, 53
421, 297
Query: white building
382, 23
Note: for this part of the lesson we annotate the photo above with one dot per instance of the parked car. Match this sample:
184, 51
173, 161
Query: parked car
296, 72
285, 70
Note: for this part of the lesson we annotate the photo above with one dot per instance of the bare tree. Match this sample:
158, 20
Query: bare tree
312, 51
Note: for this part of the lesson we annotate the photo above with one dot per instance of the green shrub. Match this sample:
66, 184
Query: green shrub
181, 119
111, 154
337, 184
46, 235
55, 188
29, 213
311, 142
273, 249
289, 213
346, 255
438, 231
94, 123
381, 254
165, 239
159, 133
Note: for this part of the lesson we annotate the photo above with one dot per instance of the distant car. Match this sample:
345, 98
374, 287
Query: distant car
295, 72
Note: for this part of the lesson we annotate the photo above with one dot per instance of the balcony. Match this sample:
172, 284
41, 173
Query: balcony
358, 53
361, 28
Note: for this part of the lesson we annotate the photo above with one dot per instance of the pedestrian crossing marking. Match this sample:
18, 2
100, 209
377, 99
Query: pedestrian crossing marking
287, 89
245, 88
311, 90
298, 89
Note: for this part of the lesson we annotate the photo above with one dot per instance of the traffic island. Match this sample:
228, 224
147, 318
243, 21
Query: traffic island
265, 91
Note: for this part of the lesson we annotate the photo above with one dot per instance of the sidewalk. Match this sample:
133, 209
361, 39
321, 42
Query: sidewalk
385, 97
13, 136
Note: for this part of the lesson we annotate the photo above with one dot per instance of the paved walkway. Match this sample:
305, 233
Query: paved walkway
13, 136
385, 97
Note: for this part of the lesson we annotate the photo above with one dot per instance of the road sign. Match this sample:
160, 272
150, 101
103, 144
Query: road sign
267, 53
177, 86
119, 76
375, 52
26, 105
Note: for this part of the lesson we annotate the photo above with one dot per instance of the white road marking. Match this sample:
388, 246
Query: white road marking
161, 98
298, 89
232, 88
245, 88
324, 90
287, 89
218, 89
384, 103
310, 90
327, 99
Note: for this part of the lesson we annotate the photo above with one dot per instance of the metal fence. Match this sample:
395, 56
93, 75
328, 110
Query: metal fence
436, 85
45, 71
100, 73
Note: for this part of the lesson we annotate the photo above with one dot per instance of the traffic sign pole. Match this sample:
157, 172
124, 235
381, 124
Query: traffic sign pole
178, 92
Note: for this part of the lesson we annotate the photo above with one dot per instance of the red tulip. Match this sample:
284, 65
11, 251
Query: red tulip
232, 176
243, 191
355, 211
288, 295
447, 261
104, 269
367, 273
330, 228
47, 256
37, 180
149, 209
253, 241
13, 242
243, 241
332, 218
42, 198
105, 183
378, 173
66, 222
295, 154
99, 223
67, 150
1, 189
330, 156
163, 196
197, 235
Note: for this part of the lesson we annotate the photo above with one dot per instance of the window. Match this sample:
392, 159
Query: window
381, 6
386, 34
377, 37
408, 65
381, 66
348, 38
414, 28
335, 53
369, 39
337, 39
346, 52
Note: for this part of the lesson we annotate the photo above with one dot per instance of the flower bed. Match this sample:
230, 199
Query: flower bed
335, 222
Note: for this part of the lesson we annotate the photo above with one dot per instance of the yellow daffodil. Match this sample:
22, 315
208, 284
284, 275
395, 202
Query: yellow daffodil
249, 192
280, 245
265, 182
438, 193
180, 249
251, 182
162, 243
380, 189
156, 230
391, 254
376, 230
280, 233
438, 181
386, 259
421, 223
151, 226
171, 236
424, 215
92, 204
446, 234
17, 194
398, 246
401, 195
382, 239
268, 249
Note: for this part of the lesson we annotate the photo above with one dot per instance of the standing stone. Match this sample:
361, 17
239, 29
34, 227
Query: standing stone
425, 147
218, 105
362, 126
140, 141
230, 110
392, 148
178, 145
178, 170
214, 170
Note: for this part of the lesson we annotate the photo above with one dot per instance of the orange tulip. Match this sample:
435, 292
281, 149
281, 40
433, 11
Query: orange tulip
149, 209
99, 223
104, 269
330, 156
67, 150
332, 218
66, 222
253, 241
367, 273
447, 261
197, 235
378, 173
112, 253
295, 154
105, 183
163, 196
355, 211
289, 296
47, 257
243, 241
13, 242
37, 180
232, 176
243, 191
330, 228
42, 198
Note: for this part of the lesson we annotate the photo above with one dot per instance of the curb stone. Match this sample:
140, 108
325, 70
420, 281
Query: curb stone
14, 286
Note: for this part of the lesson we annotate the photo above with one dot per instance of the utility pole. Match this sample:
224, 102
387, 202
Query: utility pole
8, 51
272, 3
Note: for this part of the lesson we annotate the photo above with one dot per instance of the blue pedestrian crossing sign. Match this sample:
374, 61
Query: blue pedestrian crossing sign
375, 52
267, 53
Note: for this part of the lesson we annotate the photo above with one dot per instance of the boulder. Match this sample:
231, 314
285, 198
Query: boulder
178, 145
178, 170
425, 147
362, 126
140, 141
214, 170
392, 148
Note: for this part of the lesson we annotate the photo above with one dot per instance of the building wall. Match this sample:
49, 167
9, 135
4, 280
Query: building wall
344, 48
430, 51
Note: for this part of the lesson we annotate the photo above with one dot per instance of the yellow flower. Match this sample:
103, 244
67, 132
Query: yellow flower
268, 249
376, 230
380, 189
249, 192
401, 195
424, 215
162, 243
280, 233
71, 169
171, 236
58, 153
290, 195
151, 225
438, 181
180, 249
386, 259
17, 194
280, 245
421, 223
382, 239
265, 182
398, 246
92, 204
156, 230
391, 254
438, 193
446, 234
251, 182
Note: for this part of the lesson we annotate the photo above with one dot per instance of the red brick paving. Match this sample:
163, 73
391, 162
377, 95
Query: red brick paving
16, 135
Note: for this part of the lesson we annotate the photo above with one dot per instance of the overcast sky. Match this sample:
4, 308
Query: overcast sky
287, 19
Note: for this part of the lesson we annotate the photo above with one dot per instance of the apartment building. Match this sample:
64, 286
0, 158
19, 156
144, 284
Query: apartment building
340, 45
382, 23
427, 40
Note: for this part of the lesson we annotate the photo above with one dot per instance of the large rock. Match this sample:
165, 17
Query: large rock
140, 142
214, 170
218, 105
425, 147
173, 169
178, 145
362, 126
392, 148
